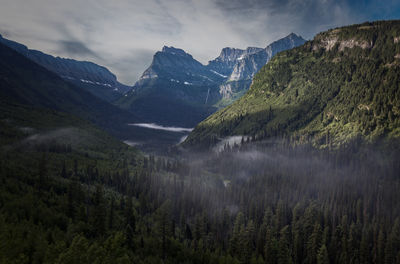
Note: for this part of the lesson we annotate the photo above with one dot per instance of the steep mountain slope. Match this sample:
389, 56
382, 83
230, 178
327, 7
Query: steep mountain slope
342, 85
92, 77
22, 81
175, 90
249, 63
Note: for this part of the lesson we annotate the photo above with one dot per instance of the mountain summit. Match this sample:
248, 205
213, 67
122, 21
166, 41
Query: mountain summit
175, 65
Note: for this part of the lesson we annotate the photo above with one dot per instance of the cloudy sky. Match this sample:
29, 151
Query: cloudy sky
123, 35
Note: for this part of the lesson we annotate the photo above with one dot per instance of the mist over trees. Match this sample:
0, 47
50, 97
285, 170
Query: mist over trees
252, 203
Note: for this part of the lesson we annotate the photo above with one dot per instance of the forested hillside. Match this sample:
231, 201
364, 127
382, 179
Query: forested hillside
341, 86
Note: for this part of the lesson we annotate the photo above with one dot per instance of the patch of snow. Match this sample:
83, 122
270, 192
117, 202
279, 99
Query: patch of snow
217, 73
86, 81
149, 76
97, 83
208, 93
68, 77
188, 83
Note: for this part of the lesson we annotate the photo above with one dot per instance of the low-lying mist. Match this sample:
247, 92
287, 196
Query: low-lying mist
265, 173
160, 127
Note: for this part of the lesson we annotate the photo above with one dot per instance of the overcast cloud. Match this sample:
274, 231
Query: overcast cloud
123, 35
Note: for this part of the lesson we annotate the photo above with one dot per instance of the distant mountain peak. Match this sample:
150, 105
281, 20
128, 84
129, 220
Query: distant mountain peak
250, 50
175, 51
175, 66
293, 35
229, 50
229, 54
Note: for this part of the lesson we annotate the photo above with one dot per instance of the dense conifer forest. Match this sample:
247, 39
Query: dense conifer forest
254, 203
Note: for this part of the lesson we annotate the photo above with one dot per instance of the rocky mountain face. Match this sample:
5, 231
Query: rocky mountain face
339, 89
226, 61
250, 62
92, 77
177, 89
175, 65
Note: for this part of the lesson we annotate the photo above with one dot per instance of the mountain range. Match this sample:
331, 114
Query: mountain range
24, 83
177, 89
92, 77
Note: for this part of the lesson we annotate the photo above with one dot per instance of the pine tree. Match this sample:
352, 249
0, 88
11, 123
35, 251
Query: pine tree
314, 244
111, 214
129, 234
284, 252
129, 215
99, 215
393, 243
73, 194
42, 173
381, 247
365, 247
263, 231
297, 237
64, 171
322, 257
234, 242
271, 248
163, 225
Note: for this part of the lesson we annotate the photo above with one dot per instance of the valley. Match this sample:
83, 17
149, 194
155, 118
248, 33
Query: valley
283, 154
